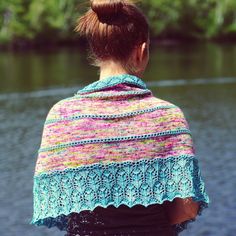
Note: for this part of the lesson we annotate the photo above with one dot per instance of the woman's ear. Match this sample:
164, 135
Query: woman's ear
142, 51
138, 60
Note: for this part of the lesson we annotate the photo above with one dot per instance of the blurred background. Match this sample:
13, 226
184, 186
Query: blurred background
192, 64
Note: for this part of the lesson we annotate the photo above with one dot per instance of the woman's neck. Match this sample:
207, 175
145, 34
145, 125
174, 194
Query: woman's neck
111, 68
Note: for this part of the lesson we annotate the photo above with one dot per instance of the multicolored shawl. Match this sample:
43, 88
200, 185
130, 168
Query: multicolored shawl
113, 143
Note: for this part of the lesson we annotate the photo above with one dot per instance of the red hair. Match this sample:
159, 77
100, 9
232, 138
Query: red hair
113, 28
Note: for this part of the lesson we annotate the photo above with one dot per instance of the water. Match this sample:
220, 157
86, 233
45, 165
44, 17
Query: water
201, 79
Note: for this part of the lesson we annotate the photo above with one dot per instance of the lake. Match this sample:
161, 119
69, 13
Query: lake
200, 78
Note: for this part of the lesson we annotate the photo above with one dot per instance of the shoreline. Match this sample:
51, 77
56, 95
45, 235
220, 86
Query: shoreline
44, 45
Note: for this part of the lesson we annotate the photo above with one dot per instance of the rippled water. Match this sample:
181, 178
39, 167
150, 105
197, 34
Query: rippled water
209, 105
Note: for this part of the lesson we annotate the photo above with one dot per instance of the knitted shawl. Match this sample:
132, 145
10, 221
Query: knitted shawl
113, 143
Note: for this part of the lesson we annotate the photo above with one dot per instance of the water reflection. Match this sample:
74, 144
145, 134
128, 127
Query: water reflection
23, 72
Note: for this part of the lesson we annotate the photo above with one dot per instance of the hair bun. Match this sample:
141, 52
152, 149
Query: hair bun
107, 9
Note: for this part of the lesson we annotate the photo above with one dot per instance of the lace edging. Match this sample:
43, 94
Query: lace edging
144, 182
61, 221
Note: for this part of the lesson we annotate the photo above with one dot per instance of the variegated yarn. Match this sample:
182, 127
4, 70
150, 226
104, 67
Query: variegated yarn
113, 143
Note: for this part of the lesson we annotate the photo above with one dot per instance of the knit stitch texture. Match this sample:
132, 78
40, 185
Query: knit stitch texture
113, 143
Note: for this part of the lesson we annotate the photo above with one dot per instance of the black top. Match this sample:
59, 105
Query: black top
122, 221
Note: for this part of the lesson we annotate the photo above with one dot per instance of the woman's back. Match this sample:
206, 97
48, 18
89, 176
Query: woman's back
114, 147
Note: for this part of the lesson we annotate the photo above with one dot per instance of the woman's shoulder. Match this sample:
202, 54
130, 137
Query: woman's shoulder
167, 103
174, 109
61, 108
73, 104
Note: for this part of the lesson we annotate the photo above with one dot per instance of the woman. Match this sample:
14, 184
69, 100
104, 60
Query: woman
114, 159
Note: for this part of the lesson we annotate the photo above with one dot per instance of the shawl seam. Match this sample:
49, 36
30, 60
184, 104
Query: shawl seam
115, 164
147, 91
106, 116
117, 138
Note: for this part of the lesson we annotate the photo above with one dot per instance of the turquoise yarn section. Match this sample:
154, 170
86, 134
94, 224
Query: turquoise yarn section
112, 81
145, 181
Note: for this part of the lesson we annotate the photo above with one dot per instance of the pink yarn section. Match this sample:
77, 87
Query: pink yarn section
67, 130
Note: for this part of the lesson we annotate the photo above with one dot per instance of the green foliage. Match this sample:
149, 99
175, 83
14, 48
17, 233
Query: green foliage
194, 18
55, 19
30, 19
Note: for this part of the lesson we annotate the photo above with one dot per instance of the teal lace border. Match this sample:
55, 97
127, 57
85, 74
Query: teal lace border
146, 181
